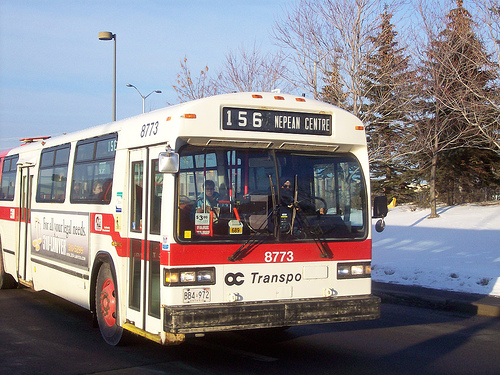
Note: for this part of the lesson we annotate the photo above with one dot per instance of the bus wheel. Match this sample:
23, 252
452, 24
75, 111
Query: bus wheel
107, 307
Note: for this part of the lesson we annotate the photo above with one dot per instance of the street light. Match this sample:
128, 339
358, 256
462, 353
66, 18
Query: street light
107, 35
142, 96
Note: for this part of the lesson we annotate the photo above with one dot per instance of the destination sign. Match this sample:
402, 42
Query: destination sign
261, 120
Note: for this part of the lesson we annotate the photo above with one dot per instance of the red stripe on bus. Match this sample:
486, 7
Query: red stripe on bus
9, 213
105, 224
175, 255
191, 255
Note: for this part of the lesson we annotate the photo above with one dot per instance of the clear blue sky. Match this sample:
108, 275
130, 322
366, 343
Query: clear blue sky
56, 76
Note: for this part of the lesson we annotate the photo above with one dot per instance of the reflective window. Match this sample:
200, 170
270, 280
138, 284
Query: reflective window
154, 278
93, 170
136, 196
135, 273
226, 194
8, 178
53, 174
156, 197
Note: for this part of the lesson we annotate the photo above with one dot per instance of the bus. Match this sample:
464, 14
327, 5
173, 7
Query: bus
233, 212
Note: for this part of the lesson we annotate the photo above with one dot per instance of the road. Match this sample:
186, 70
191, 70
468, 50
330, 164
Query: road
42, 334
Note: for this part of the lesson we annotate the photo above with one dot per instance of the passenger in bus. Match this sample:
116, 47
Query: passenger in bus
96, 191
77, 192
210, 197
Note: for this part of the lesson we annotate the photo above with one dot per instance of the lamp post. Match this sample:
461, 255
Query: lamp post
107, 35
142, 96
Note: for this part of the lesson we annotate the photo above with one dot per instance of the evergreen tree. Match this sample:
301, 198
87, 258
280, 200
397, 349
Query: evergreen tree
386, 86
332, 92
459, 78
469, 175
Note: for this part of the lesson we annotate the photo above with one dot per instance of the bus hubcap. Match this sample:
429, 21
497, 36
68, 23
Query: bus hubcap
108, 302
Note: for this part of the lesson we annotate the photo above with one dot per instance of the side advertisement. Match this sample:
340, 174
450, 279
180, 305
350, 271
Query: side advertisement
61, 236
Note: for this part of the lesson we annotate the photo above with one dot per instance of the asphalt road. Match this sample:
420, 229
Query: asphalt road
42, 334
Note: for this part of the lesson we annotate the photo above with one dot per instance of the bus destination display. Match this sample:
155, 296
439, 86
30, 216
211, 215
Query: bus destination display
262, 120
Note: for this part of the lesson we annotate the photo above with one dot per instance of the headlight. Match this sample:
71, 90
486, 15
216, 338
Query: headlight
205, 276
343, 270
357, 270
190, 276
171, 277
353, 270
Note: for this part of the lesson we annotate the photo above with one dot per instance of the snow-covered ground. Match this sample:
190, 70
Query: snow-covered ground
458, 251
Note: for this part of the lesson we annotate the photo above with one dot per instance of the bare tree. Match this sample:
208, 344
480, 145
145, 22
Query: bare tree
250, 70
191, 88
488, 13
301, 30
457, 90
326, 35
354, 23
245, 71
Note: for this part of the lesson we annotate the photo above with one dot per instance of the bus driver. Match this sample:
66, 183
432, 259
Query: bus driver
210, 198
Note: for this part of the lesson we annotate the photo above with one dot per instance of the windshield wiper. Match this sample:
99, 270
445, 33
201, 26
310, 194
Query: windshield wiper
252, 242
306, 226
295, 203
311, 232
258, 237
275, 209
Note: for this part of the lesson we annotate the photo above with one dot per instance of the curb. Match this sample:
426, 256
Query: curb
472, 304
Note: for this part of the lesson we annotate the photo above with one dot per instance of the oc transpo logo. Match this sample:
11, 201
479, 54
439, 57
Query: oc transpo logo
259, 278
234, 278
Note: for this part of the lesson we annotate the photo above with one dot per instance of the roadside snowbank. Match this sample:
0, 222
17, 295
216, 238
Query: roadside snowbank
458, 251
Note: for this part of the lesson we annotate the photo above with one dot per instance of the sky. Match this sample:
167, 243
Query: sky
56, 76
459, 251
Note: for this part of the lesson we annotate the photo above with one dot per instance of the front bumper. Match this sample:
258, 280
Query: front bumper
250, 315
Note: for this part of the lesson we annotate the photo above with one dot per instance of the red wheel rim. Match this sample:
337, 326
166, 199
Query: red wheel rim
108, 302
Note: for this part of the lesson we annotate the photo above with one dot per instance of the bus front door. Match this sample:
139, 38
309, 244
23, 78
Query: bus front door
145, 192
24, 239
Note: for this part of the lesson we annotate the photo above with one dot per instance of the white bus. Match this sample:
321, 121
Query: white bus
233, 212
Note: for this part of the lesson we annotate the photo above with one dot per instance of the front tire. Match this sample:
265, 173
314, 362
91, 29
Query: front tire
106, 303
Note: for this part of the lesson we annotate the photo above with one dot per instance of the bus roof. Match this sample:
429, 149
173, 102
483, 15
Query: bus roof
200, 122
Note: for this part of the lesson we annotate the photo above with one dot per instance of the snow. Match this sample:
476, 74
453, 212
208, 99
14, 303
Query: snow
459, 251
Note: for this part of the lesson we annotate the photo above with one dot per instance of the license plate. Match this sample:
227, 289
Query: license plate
196, 295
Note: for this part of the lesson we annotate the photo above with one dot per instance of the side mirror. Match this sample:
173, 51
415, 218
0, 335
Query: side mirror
168, 162
380, 209
380, 225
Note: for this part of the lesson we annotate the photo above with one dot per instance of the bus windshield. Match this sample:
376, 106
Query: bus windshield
233, 194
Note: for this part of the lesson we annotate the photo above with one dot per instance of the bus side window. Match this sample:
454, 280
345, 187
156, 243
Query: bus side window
53, 174
93, 170
8, 178
137, 176
156, 197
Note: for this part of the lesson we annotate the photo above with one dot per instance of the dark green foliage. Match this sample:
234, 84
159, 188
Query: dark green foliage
459, 89
386, 85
